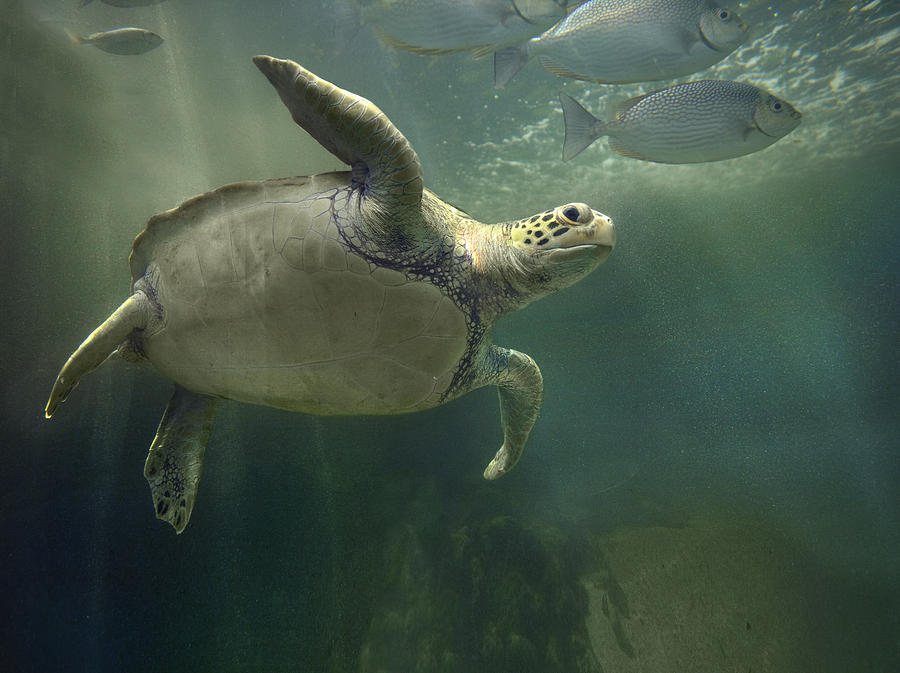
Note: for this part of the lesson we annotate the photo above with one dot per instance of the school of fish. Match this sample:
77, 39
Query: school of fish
604, 41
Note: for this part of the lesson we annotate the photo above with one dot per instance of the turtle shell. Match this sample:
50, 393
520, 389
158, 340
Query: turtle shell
262, 301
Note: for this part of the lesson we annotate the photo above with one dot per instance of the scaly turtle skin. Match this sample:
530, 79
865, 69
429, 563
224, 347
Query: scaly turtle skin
356, 292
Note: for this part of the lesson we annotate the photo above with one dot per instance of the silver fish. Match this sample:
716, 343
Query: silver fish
692, 122
617, 41
446, 26
123, 41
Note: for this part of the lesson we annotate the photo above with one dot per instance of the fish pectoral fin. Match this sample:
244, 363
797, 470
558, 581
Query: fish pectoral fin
558, 69
483, 51
397, 43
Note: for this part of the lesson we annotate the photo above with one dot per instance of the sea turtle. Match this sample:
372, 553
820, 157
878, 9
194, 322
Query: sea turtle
354, 292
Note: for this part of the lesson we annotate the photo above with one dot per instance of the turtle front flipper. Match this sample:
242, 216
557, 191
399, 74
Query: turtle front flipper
354, 130
175, 460
133, 314
521, 388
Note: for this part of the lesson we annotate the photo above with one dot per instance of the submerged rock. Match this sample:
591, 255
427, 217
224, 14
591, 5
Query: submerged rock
485, 594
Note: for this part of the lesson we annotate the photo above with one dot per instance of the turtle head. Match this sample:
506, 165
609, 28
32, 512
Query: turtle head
559, 247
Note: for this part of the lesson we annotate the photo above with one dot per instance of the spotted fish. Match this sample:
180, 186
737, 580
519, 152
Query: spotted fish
687, 123
615, 41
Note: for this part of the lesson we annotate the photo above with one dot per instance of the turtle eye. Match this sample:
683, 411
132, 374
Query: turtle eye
571, 214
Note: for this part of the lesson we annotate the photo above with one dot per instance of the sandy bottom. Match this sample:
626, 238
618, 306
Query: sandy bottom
706, 597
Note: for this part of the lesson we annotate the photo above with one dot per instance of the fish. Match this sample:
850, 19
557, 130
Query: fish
448, 26
123, 41
620, 41
691, 122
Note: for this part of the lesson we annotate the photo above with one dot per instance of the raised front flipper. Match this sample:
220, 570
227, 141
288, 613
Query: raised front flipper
521, 388
355, 131
175, 461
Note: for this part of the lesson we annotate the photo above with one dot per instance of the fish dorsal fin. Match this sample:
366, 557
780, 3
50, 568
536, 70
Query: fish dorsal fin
354, 130
618, 110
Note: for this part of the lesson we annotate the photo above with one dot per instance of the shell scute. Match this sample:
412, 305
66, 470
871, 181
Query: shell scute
334, 256
447, 321
358, 265
292, 253
241, 195
406, 312
284, 189
399, 386
290, 220
349, 310
313, 243
435, 356
388, 277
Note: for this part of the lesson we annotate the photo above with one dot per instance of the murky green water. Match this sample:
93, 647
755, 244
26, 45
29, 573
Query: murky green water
712, 484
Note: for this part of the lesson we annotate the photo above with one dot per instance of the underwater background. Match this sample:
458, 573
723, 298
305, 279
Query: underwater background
713, 483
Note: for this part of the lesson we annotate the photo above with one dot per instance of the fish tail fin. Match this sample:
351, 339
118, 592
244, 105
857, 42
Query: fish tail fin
75, 37
507, 62
582, 128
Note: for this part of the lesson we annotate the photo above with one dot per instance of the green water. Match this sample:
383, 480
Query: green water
714, 474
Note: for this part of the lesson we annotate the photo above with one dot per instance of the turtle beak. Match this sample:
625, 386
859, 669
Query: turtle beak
595, 240
602, 236
605, 230
601, 252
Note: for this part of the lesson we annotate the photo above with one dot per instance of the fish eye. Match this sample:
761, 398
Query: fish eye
724, 14
777, 106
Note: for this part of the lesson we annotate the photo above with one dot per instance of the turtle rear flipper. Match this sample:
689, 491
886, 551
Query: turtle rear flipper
175, 460
133, 314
